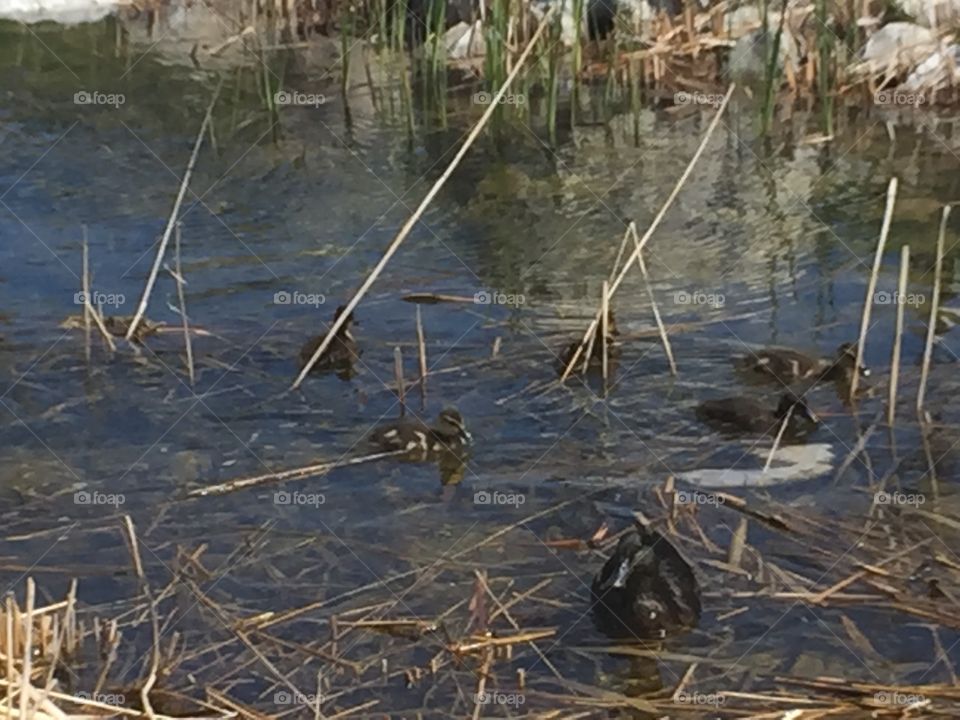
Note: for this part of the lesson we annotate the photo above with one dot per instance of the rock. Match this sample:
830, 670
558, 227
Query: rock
897, 47
933, 13
65, 12
748, 59
465, 41
940, 69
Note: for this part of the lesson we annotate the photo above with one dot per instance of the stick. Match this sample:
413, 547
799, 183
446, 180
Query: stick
655, 224
661, 328
25, 669
934, 306
895, 360
605, 329
398, 375
86, 294
131, 535
776, 440
152, 278
415, 217
296, 473
872, 284
183, 303
422, 346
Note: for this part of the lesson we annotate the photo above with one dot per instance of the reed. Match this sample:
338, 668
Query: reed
825, 52
872, 283
898, 336
934, 307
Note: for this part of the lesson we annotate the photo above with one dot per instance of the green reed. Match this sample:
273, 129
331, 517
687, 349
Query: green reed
773, 69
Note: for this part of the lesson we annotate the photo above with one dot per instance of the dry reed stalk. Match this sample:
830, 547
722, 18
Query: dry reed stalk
134, 548
294, 474
898, 336
872, 284
9, 629
431, 194
661, 328
86, 294
398, 378
171, 221
422, 349
653, 225
605, 331
178, 277
777, 439
482, 682
934, 307
26, 667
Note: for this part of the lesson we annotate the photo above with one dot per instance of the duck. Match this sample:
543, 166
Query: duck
646, 589
449, 436
596, 356
744, 414
340, 354
788, 365
119, 325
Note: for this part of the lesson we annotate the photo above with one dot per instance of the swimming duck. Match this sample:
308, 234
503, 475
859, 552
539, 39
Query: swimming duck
118, 325
596, 356
745, 414
339, 355
422, 442
645, 589
787, 365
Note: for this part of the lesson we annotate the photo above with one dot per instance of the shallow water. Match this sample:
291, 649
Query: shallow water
770, 242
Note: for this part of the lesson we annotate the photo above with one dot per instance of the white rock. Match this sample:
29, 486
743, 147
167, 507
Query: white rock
465, 41
940, 69
66, 12
898, 47
932, 13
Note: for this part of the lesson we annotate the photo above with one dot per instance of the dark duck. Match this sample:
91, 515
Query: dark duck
340, 354
596, 354
421, 442
747, 415
646, 589
788, 366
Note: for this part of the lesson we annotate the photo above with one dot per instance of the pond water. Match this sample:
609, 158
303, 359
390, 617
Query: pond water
770, 242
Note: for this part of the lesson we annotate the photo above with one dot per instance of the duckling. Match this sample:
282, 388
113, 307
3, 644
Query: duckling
423, 442
645, 589
596, 356
787, 365
118, 325
339, 355
745, 414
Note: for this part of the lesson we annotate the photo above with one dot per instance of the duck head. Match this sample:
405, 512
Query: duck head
847, 359
800, 409
450, 422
